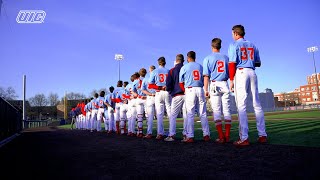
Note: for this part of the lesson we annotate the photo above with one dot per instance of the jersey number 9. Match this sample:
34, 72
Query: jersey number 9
196, 75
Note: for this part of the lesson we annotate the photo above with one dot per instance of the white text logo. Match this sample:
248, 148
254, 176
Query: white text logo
31, 16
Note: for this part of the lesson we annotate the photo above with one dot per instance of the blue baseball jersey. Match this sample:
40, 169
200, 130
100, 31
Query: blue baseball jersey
159, 76
116, 92
244, 53
216, 67
144, 86
137, 86
128, 89
93, 103
100, 101
89, 106
108, 98
191, 75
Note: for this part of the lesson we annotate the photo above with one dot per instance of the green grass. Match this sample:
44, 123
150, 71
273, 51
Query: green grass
299, 132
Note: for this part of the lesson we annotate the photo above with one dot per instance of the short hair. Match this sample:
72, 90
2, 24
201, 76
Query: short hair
91, 98
239, 29
136, 75
152, 67
143, 72
216, 43
125, 83
162, 61
102, 93
119, 83
111, 89
192, 55
132, 78
96, 95
180, 58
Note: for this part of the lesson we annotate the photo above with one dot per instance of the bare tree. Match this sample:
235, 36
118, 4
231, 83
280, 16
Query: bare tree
8, 94
53, 99
75, 96
38, 101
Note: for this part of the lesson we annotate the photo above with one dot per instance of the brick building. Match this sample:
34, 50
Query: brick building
305, 94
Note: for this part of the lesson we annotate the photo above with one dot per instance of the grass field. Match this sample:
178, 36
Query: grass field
297, 128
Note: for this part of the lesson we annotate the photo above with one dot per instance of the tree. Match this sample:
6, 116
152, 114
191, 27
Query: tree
8, 94
53, 99
38, 101
75, 96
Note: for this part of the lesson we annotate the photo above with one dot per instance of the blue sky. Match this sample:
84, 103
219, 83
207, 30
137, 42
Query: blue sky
73, 50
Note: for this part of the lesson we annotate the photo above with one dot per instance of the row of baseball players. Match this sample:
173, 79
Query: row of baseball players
183, 88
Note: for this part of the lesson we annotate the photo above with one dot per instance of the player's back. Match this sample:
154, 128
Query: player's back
159, 76
192, 74
100, 101
116, 92
244, 53
216, 66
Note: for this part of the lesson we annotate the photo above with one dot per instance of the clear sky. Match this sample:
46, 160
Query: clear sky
73, 50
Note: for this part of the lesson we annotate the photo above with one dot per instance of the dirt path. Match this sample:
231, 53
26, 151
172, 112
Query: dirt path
49, 153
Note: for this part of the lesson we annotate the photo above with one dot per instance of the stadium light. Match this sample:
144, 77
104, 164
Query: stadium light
118, 57
312, 50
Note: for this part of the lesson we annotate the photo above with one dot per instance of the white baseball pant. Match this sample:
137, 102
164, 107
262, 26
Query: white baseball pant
162, 99
116, 115
246, 82
177, 104
100, 118
123, 117
150, 111
88, 117
196, 95
132, 116
140, 103
111, 123
220, 93
94, 118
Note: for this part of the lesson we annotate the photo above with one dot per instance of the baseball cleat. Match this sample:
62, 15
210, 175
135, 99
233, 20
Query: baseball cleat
220, 140
241, 143
159, 137
140, 135
129, 134
206, 138
262, 139
148, 136
227, 139
188, 140
169, 139
184, 137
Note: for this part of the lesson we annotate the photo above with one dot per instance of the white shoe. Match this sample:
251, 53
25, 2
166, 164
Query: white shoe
169, 139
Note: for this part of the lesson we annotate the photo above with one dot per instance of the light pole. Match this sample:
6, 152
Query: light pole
118, 57
313, 50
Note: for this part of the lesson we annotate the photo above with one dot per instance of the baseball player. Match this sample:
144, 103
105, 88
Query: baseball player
110, 111
94, 113
89, 110
244, 58
140, 101
132, 112
117, 106
157, 81
215, 72
100, 103
124, 97
178, 97
83, 115
149, 104
191, 81
73, 116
